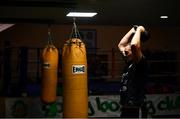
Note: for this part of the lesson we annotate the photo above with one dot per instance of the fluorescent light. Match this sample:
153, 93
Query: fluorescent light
5, 26
163, 17
81, 14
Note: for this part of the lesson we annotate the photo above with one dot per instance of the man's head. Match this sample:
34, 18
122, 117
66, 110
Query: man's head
127, 52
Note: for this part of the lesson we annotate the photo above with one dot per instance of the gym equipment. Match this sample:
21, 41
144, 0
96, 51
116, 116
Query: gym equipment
74, 71
49, 72
144, 36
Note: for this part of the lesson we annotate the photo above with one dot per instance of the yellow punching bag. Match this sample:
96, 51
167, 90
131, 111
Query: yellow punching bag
74, 70
49, 73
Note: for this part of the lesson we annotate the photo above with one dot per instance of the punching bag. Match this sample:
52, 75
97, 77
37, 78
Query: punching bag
74, 70
49, 73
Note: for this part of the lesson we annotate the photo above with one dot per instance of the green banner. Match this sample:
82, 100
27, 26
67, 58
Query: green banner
99, 106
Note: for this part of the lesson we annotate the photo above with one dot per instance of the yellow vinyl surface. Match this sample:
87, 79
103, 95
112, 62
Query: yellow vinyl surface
75, 90
49, 74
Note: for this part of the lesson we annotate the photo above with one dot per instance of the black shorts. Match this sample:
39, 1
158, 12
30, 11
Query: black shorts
133, 112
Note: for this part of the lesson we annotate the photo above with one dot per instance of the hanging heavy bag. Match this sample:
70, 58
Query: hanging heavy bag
74, 71
49, 73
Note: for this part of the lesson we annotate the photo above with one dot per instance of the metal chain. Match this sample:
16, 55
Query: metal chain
75, 31
50, 40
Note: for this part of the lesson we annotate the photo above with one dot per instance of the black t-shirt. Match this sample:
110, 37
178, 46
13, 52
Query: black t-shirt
133, 83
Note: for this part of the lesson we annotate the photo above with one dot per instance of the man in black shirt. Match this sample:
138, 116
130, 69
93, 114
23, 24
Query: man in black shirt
133, 79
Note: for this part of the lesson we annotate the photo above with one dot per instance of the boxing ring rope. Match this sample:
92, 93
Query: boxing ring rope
113, 62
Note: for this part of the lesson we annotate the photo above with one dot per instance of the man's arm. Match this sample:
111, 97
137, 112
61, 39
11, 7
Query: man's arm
125, 40
136, 44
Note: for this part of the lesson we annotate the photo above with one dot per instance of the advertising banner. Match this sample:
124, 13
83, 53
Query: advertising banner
99, 106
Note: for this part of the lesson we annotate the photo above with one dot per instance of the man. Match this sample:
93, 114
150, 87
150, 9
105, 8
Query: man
135, 73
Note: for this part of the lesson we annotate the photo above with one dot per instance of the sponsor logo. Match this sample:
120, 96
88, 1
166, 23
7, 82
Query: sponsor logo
78, 69
46, 65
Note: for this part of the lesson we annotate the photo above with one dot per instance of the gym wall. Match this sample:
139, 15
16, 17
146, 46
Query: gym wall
107, 37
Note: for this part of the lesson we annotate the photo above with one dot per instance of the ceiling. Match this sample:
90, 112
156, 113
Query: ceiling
110, 12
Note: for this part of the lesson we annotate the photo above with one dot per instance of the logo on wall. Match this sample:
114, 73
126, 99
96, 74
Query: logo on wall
19, 109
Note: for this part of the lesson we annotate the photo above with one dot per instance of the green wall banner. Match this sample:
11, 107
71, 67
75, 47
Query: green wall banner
99, 106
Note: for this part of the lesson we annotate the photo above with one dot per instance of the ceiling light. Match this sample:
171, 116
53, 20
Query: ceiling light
81, 14
5, 26
163, 17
